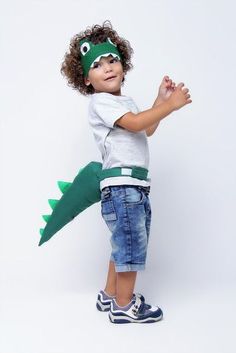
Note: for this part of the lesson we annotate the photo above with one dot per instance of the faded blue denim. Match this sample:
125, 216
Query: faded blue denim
126, 210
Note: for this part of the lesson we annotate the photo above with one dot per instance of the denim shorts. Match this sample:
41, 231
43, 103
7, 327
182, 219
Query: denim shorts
126, 210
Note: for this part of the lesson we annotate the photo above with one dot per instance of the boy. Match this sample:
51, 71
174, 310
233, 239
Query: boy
96, 65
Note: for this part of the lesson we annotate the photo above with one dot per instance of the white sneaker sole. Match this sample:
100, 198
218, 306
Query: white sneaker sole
115, 319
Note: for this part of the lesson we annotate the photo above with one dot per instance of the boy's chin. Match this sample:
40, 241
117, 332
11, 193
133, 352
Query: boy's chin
111, 90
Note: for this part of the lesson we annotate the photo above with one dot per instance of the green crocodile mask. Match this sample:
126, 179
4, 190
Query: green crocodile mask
93, 52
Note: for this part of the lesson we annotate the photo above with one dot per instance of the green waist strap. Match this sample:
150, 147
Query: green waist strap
134, 172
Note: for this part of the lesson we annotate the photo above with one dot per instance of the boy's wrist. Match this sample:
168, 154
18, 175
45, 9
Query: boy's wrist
158, 101
167, 106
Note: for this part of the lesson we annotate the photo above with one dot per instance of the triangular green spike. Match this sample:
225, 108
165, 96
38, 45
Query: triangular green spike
63, 185
41, 231
52, 203
46, 217
80, 170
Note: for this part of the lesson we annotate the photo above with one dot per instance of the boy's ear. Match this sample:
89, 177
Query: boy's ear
86, 81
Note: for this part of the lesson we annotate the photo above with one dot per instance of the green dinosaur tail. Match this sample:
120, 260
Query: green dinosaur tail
83, 192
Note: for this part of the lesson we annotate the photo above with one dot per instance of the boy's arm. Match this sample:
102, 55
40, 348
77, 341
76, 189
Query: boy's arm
146, 120
149, 118
150, 130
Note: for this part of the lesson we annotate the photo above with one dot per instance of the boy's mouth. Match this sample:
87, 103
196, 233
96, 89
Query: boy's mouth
110, 78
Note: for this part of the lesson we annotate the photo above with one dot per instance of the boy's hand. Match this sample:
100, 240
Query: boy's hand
167, 86
179, 97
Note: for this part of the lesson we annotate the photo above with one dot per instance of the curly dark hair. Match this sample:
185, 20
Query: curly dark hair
71, 67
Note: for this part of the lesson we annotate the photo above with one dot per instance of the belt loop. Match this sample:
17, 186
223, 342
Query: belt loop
126, 171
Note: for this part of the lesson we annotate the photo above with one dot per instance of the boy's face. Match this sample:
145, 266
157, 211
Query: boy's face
106, 75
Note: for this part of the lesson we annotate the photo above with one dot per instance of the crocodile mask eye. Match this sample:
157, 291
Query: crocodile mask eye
85, 47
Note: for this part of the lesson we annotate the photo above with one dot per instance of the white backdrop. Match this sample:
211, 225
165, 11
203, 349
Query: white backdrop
48, 293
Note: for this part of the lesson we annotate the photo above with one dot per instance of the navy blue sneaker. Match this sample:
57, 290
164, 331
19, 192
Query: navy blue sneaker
104, 300
137, 311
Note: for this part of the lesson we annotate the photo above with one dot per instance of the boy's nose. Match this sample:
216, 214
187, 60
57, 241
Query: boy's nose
107, 67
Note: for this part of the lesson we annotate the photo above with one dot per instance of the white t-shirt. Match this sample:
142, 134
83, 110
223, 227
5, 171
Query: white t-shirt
119, 147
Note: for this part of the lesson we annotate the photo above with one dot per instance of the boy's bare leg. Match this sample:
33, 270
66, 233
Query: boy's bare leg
120, 284
125, 287
110, 288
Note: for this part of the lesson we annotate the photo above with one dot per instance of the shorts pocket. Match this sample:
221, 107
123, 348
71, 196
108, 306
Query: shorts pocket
133, 195
108, 210
105, 193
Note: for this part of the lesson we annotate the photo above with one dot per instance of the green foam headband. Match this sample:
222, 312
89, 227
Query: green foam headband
93, 52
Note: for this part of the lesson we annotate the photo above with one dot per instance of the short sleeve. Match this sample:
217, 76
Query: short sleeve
109, 109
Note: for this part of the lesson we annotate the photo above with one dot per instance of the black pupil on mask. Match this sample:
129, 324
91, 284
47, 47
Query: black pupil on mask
85, 49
